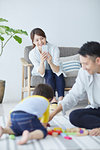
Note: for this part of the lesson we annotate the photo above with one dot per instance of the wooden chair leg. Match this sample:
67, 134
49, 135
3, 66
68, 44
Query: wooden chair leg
29, 81
22, 93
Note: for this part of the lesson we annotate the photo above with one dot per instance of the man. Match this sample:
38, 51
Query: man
87, 85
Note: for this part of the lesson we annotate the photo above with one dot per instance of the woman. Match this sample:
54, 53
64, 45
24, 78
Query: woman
46, 63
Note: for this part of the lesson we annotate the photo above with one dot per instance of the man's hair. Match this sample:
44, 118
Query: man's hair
44, 90
90, 48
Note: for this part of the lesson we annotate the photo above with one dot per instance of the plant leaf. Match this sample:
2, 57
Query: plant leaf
20, 31
2, 30
7, 30
18, 39
3, 20
1, 38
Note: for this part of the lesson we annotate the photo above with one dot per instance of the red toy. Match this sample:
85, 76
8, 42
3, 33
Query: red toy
52, 131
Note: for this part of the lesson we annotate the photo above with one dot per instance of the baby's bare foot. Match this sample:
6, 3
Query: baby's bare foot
25, 138
1, 131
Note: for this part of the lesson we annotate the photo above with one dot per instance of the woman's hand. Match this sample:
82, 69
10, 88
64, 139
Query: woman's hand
43, 56
54, 68
49, 58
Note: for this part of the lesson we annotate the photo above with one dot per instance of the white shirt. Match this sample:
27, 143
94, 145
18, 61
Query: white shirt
96, 86
83, 89
36, 105
34, 56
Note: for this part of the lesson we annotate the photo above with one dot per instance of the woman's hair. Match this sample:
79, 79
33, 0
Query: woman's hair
44, 90
37, 31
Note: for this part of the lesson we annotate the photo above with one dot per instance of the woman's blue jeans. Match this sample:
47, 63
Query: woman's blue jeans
56, 82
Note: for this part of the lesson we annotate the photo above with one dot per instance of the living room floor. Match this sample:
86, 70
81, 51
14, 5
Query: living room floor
50, 142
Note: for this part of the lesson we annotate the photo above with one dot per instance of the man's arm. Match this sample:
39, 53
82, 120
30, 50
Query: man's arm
9, 121
56, 111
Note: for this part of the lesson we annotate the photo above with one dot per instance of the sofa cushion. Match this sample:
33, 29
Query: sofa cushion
69, 81
35, 80
70, 65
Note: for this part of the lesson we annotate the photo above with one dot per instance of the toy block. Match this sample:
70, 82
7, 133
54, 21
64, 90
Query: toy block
77, 131
83, 132
12, 137
57, 128
54, 134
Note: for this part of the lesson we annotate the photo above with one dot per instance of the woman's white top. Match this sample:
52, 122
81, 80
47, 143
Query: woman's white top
34, 56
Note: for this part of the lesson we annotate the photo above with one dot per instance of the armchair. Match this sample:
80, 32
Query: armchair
29, 81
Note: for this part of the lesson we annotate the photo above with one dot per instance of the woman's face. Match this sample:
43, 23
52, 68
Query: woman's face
39, 41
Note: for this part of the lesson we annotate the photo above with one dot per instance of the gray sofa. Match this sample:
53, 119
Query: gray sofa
29, 81
64, 51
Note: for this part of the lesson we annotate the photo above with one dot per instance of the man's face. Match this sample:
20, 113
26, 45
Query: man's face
90, 65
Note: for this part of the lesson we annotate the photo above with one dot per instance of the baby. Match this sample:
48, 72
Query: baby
29, 118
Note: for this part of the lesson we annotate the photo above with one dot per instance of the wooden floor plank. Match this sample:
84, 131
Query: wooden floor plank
86, 142
68, 144
50, 142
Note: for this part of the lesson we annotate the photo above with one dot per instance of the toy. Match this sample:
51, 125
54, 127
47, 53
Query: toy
57, 129
69, 131
65, 137
82, 132
54, 134
68, 138
12, 137
53, 106
77, 131
51, 132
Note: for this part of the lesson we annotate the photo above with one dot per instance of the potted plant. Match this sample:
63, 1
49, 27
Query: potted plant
8, 32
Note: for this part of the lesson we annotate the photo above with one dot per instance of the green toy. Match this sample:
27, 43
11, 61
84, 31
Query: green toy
12, 137
70, 133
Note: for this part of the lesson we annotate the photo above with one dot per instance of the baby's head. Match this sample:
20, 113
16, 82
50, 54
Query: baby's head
44, 90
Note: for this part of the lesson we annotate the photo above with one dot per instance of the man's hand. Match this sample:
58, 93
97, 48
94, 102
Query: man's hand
51, 116
95, 132
56, 111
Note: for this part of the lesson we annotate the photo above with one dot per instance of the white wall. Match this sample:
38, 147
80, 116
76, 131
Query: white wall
65, 22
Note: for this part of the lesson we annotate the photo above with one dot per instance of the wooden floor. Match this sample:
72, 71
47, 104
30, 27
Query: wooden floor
50, 142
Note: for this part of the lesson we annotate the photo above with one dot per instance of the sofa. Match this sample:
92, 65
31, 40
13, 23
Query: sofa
29, 81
